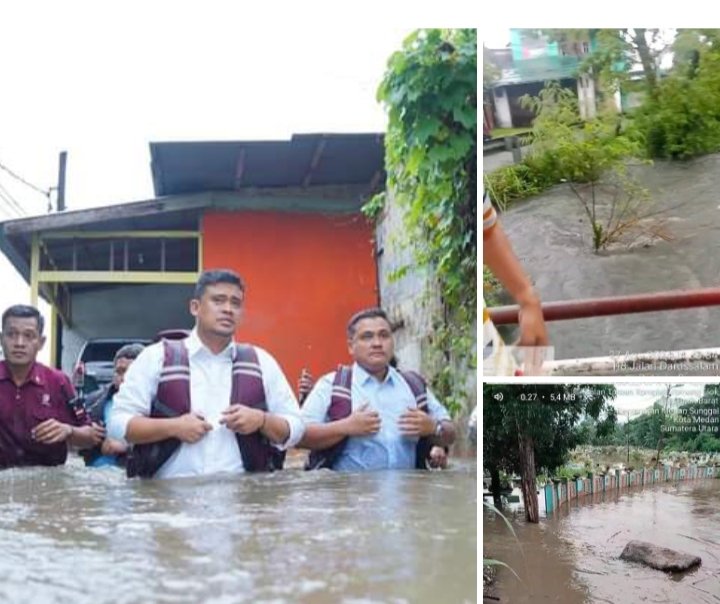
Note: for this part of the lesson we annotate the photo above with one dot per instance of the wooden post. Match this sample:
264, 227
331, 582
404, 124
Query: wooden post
61, 182
34, 270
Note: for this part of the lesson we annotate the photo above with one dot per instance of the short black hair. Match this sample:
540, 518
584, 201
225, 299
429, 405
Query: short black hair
24, 311
214, 276
129, 351
368, 313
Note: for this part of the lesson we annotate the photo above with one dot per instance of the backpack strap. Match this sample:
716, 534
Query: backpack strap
257, 452
341, 394
247, 379
171, 400
418, 386
340, 407
174, 379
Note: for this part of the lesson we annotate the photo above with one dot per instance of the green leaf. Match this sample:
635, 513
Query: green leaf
442, 153
467, 116
414, 160
426, 128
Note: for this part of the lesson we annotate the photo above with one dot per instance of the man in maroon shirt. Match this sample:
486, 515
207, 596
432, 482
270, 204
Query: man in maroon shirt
36, 421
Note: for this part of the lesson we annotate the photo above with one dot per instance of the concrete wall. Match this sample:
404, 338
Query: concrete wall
411, 302
124, 311
408, 300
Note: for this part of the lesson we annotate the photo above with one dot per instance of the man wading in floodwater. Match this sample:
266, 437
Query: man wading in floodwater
110, 452
205, 404
370, 416
37, 421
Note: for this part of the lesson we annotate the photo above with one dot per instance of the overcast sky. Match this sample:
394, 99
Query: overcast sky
495, 38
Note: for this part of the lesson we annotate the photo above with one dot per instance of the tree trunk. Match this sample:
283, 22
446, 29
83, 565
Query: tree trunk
664, 418
495, 486
638, 38
659, 448
527, 478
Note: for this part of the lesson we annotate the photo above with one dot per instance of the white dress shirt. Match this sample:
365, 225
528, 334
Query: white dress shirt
210, 387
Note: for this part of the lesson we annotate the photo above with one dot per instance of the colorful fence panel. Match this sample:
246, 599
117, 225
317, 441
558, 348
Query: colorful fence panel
558, 492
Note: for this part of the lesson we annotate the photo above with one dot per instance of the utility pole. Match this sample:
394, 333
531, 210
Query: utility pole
60, 206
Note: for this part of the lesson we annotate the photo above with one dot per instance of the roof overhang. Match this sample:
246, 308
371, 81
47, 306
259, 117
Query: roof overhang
305, 160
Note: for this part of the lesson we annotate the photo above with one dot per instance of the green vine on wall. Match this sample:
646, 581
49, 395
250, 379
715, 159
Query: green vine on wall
430, 91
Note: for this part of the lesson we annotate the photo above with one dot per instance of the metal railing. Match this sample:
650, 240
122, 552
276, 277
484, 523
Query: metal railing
701, 361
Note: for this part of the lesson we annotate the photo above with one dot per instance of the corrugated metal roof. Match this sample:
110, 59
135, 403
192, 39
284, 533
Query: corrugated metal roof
304, 160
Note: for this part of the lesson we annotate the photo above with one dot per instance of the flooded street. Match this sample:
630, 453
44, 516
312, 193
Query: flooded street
70, 534
573, 557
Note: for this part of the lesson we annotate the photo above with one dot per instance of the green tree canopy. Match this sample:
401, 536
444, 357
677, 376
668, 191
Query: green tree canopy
550, 413
528, 427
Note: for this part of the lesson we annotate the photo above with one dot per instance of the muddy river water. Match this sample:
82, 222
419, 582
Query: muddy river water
573, 556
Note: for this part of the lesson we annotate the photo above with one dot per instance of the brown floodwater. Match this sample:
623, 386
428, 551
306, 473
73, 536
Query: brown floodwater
573, 556
73, 535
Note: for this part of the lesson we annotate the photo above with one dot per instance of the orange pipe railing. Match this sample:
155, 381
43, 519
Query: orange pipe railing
619, 305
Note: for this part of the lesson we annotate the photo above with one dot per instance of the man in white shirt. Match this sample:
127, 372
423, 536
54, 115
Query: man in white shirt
175, 404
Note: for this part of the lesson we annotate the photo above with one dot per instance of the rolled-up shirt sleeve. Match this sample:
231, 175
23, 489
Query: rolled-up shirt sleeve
280, 398
137, 391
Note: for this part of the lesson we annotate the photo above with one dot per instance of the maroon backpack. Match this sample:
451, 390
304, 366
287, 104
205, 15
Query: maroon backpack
173, 399
341, 407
